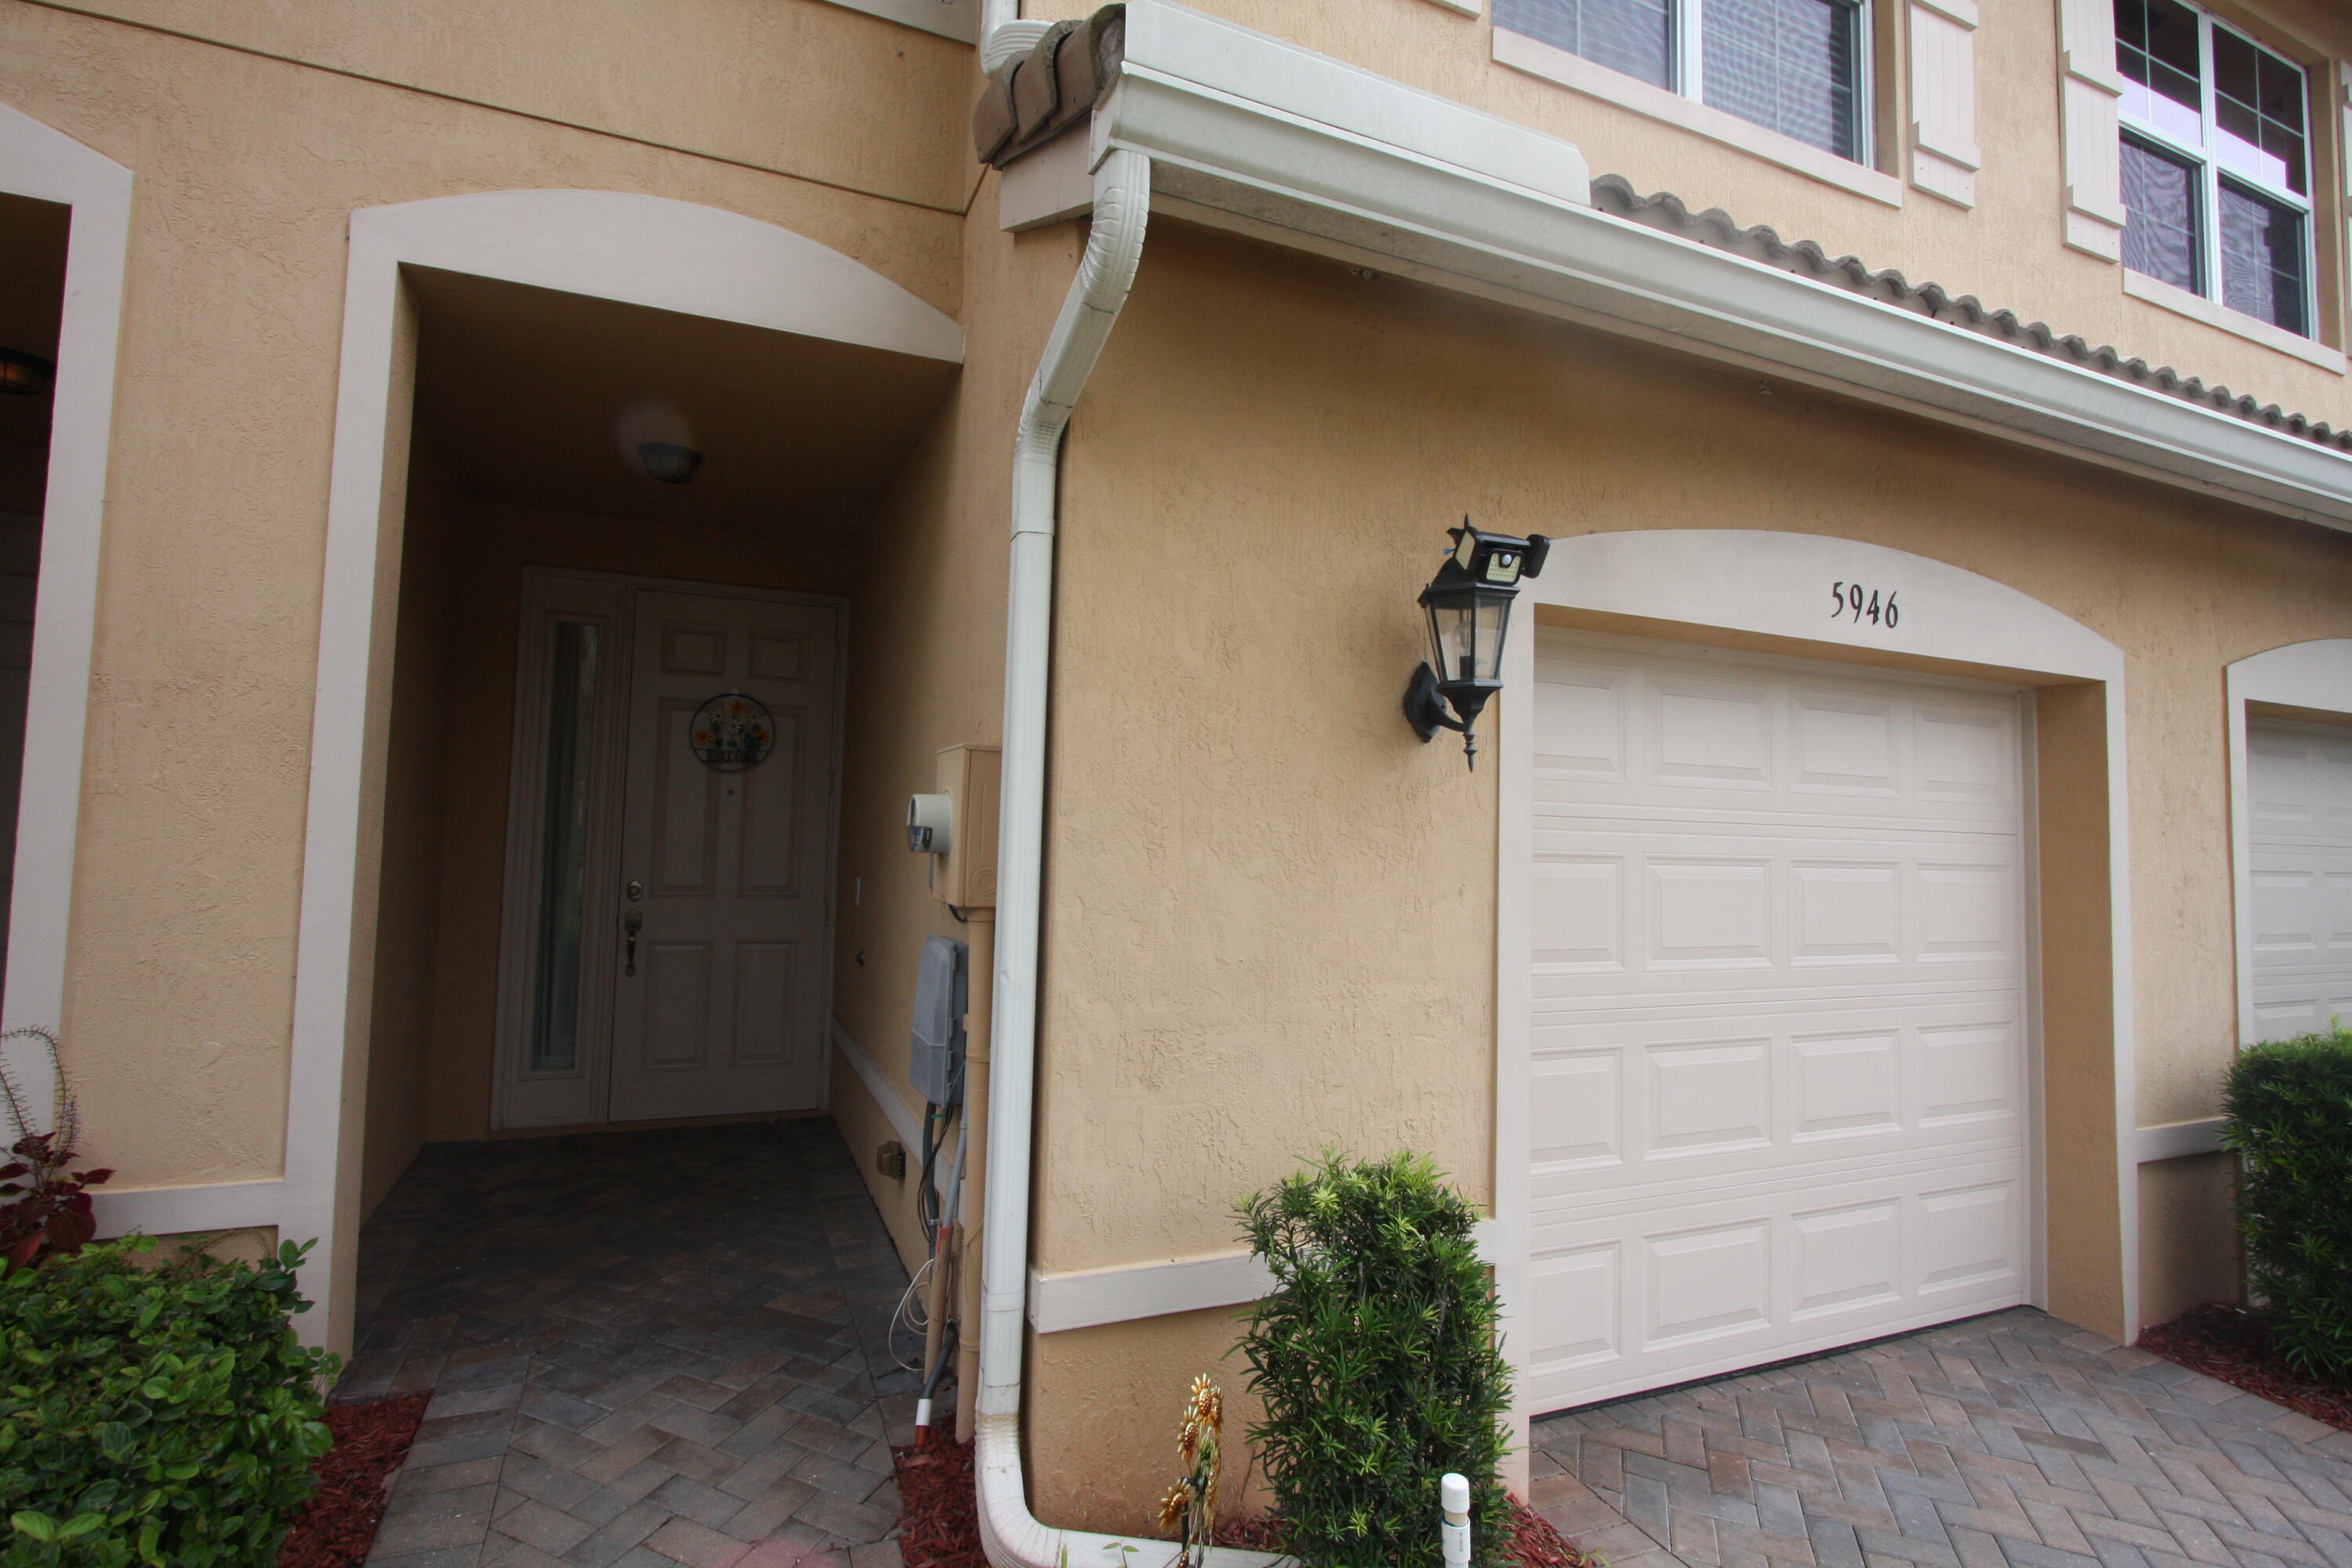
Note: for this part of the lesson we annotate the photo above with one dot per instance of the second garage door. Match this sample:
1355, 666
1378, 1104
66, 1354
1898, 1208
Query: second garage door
2299, 780
1779, 1025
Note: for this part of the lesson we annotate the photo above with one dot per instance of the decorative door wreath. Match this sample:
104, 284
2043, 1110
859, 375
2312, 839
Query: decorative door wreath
731, 732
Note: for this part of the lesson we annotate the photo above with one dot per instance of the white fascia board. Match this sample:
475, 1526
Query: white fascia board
1295, 144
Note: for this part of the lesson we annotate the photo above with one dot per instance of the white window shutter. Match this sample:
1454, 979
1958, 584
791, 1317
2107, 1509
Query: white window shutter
2089, 90
1944, 156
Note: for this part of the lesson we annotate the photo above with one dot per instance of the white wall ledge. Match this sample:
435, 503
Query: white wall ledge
175, 1211
2213, 313
1580, 75
2178, 1139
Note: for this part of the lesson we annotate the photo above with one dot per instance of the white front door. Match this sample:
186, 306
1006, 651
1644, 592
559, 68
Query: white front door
670, 911
2300, 780
1778, 1032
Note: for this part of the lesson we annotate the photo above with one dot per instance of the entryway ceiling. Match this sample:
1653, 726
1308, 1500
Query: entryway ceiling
540, 398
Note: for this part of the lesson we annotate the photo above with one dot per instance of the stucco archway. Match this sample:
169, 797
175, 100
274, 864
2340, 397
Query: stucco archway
47, 166
629, 248
2313, 678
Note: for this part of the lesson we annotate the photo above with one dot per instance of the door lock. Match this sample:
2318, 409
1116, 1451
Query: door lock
632, 922
635, 890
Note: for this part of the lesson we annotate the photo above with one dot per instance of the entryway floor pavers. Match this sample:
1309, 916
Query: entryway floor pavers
644, 1349
2012, 1440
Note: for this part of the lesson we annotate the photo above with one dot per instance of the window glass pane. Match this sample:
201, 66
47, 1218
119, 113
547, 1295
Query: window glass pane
2262, 258
1635, 37
563, 867
2161, 62
2258, 101
2160, 215
1787, 65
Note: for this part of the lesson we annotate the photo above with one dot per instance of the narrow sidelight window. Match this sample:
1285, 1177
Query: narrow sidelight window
1790, 66
2216, 163
563, 863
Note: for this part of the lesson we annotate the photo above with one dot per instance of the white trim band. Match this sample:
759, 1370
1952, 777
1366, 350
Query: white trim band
174, 1211
894, 1109
1090, 1298
2178, 1139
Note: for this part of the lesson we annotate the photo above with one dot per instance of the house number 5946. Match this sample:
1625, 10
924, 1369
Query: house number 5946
1852, 599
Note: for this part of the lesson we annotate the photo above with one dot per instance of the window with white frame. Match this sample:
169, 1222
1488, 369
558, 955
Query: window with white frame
1790, 66
2216, 163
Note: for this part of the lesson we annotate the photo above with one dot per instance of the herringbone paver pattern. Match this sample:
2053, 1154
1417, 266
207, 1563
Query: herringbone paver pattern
644, 1349
2008, 1441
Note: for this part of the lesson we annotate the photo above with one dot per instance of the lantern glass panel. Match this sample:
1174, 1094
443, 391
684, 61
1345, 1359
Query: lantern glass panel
1465, 632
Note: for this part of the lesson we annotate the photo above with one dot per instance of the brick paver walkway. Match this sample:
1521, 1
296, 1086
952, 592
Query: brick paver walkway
2007, 1441
644, 1349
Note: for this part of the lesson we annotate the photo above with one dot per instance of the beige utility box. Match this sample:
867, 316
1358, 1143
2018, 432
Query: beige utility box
968, 777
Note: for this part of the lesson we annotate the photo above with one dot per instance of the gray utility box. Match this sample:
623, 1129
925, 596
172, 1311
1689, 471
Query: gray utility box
935, 1064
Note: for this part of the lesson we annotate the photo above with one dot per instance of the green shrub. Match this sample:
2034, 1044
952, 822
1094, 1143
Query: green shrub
1378, 1361
2288, 1111
163, 1416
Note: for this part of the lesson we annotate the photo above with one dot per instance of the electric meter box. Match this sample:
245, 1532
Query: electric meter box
935, 1060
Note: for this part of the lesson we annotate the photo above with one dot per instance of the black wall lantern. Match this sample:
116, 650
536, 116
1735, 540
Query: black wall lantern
1469, 605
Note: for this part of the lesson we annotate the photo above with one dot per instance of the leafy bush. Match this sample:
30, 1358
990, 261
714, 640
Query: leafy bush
48, 1208
2288, 1111
163, 1416
1378, 1361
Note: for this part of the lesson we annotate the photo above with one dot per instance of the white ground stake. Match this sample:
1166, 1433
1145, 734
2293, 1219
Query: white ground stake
1454, 1500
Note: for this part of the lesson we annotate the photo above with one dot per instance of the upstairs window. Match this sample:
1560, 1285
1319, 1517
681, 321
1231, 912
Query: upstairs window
1790, 66
2216, 163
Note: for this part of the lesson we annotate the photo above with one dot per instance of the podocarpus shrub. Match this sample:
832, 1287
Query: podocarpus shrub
153, 1417
1377, 1359
2288, 1113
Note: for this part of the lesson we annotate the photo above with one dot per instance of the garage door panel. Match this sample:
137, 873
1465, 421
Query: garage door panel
1641, 1101
1777, 1092
1653, 908
1663, 1292
2299, 780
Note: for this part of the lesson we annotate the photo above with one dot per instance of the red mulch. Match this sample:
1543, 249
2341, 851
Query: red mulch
338, 1524
940, 1527
2226, 1343
1262, 1533
1538, 1545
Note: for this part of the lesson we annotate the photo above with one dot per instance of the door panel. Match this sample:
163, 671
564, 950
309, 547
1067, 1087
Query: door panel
1778, 1028
724, 1012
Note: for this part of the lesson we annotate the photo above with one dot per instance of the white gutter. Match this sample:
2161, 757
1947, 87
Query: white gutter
1014, 1537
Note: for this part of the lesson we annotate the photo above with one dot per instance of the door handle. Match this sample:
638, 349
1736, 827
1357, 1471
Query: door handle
632, 922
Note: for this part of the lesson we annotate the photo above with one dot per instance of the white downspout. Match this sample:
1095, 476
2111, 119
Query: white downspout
1003, 35
1014, 1537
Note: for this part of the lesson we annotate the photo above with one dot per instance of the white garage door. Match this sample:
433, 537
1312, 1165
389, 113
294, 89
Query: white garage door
2299, 779
1780, 1011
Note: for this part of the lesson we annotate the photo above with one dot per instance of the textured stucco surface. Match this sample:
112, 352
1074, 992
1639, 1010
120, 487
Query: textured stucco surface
247, 168
1271, 910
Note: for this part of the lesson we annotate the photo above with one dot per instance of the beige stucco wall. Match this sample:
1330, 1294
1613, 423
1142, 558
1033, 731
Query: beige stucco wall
408, 902
926, 666
246, 167
1271, 909
2007, 250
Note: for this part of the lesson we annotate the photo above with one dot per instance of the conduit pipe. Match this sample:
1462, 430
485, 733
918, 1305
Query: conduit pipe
1014, 1537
